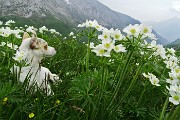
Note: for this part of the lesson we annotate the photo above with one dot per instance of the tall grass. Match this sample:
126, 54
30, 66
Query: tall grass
94, 86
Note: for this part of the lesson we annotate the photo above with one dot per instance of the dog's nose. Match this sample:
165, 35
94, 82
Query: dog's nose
54, 51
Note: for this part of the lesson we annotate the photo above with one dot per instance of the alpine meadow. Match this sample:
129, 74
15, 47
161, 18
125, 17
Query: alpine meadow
91, 71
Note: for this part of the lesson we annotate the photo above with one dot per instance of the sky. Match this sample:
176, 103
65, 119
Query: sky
146, 10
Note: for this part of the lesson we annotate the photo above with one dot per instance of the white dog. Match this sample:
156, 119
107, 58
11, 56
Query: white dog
34, 50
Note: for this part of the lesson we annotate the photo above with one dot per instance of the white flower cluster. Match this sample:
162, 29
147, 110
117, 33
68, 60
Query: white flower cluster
71, 34
93, 24
171, 62
140, 31
153, 79
7, 31
20, 56
53, 31
10, 45
1, 23
174, 79
42, 29
109, 37
8, 23
32, 29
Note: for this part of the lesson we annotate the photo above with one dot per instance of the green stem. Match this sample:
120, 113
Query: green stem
142, 93
175, 114
132, 82
88, 55
130, 87
171, 112
101, 86
120, 80
164, 109
116, 75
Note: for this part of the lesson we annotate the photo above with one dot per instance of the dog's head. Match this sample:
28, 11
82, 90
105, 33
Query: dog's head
38, 46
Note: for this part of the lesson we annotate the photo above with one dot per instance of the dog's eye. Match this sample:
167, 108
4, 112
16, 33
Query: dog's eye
45, 47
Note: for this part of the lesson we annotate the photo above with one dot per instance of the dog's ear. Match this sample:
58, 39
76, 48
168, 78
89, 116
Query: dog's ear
25, 36
32, 42
34, 34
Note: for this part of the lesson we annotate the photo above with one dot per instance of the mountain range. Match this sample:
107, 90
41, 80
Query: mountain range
64, 14
169, 29
175, 44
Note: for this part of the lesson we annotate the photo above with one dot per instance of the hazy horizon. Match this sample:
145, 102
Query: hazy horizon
149, 10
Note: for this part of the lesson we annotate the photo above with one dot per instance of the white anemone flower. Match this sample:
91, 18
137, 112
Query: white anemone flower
93, 24
82, 25
175, 97
108, 44
119, 48
145, 30
2, 44
42, 29
160, 50
152, 78
100, 51
53, 31
96, 25
105, 35
171, 51
31, 29
6, 32
71, 34
117, 35
20, 56
8, 23
1, 23
170, 64
132, 30
92, 45
175, 88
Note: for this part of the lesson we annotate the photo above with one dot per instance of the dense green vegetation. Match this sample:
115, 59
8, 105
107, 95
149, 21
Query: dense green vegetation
93, 87
36, 21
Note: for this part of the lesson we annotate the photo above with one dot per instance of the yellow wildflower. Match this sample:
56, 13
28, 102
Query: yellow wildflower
31, 115
57, 102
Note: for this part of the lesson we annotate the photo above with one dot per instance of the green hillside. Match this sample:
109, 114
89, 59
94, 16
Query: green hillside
36, 21
175, 44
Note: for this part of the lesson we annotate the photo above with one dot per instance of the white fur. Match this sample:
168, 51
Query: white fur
36, 75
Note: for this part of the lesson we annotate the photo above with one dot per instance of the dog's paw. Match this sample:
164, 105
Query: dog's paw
55, 77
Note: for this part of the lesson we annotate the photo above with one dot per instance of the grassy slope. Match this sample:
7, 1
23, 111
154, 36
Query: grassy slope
49, 22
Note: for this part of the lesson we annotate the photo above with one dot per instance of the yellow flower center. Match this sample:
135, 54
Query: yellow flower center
177, 70
101, 51
107, 45
154, 81
145, 30
117, 36
176, 97
116, 48
133, 31
105, 36
97, 26
178, 77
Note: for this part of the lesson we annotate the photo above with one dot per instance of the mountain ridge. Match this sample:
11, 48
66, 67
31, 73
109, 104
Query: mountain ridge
68, 12
169, 28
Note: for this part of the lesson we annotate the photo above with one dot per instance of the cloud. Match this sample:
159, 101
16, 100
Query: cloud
176, 5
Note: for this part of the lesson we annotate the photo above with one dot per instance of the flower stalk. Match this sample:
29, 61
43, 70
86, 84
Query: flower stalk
164, 109
120, 80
